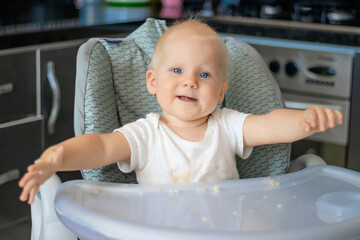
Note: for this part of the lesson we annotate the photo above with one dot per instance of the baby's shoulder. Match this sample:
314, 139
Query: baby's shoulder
151, 120
220, 113
153, 117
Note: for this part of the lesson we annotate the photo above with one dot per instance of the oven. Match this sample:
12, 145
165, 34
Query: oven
312, 48
311, 74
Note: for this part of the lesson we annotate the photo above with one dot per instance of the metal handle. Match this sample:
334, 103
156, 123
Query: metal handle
55, 88
6, 88
10, 175
305, 105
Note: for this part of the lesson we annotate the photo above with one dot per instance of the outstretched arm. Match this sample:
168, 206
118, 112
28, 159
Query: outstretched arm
83, 152
285, 125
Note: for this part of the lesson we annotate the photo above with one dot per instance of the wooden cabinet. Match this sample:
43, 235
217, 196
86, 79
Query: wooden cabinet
57, 77
58, 72
18, 93
21, 126
37, 88
20, 145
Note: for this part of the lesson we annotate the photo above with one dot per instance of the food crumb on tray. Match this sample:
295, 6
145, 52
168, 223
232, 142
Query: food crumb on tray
271, 182
216, 188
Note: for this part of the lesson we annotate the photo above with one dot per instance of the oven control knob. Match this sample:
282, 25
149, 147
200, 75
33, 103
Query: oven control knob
291, 68
274, 66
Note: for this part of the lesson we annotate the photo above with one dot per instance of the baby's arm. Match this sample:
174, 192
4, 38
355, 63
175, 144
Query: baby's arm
285, 125
83, 152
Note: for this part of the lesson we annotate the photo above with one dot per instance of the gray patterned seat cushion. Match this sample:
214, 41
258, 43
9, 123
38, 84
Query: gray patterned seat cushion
111, 91
252, 89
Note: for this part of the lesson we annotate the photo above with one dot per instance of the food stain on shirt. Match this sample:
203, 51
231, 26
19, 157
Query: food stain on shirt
184, 177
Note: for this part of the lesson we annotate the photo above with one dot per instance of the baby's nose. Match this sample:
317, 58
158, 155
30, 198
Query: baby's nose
189, 82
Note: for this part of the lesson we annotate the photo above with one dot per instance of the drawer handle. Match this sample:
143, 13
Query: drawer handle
6, 88
55, 88
9, 176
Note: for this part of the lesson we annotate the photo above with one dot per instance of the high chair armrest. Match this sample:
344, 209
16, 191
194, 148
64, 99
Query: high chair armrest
45, 223
304, 161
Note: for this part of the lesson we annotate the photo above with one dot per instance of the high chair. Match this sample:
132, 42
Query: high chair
111, 91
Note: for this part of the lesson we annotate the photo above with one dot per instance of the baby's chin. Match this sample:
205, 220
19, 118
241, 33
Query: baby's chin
202, 114
189, 112
186, 118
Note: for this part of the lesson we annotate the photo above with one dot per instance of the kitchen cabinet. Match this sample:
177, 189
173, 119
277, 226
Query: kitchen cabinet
20, 145
57, 74
21, 127
18, 93
36, 111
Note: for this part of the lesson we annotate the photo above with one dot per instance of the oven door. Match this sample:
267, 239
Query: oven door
337, 135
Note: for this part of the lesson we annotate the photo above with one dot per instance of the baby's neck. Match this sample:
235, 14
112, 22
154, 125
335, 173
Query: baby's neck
189, 130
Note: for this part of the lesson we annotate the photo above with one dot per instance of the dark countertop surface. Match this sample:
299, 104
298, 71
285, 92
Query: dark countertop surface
309, 32
24, 23
39, 22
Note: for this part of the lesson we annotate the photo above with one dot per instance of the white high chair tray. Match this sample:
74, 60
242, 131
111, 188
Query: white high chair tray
319, 202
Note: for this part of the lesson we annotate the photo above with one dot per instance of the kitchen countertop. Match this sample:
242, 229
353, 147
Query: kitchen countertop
310, 32
39, 22
57, 35
100, 19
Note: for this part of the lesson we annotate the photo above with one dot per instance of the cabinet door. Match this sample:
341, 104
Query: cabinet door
58, 70
20, 145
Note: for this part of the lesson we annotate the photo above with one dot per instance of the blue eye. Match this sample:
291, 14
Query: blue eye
177, 70
204, 75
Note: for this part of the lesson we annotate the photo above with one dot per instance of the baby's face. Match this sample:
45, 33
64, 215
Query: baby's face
187, 76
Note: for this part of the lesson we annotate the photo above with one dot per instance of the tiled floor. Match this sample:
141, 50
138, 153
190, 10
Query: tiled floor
17, 230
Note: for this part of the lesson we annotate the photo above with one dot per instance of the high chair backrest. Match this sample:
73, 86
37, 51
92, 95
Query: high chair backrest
111, 91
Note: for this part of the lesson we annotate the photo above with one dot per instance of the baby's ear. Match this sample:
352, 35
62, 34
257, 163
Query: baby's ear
223, 91
150, 81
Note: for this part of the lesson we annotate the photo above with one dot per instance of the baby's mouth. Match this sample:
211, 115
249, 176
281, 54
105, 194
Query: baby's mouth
187, 99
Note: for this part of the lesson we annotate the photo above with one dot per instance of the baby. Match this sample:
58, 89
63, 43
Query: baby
192, 140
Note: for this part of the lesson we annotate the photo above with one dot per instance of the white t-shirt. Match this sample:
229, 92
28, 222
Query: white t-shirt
158, 155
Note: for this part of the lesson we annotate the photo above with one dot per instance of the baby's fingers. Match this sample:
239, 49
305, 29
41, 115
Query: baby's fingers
33, 193
314, 118
24, 180
339, 116
322, 119
34, 171
39, 166
307, 127
330, 114
333, 116
310, 119
29, 191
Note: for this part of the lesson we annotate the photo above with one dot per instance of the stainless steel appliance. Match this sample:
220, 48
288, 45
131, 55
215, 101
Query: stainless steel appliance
312, 49
311, 74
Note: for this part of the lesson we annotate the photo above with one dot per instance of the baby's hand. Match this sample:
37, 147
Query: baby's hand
39, 172
318, 119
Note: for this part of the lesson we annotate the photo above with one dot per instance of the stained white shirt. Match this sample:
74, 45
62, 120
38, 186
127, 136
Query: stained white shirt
158, 155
